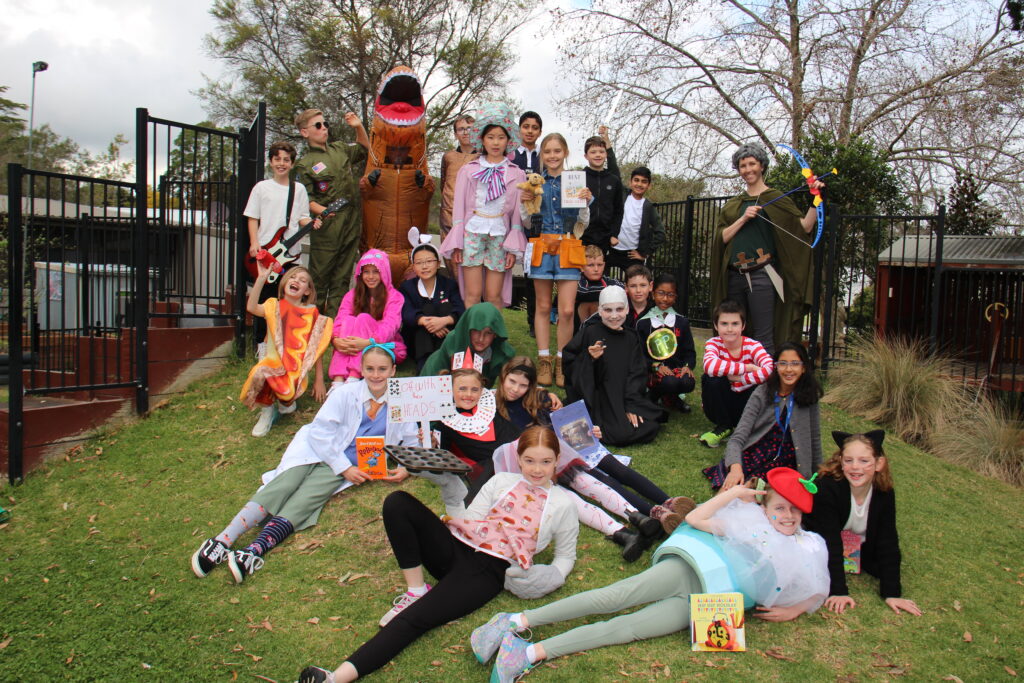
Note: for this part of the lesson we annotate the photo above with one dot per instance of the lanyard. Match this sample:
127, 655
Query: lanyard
778, 420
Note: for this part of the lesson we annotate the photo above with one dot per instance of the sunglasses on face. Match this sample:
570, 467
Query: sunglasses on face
320, 124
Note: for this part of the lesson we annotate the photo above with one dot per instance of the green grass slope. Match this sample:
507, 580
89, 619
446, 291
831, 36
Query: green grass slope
96, 582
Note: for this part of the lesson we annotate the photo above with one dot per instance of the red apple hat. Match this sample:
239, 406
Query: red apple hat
793, 487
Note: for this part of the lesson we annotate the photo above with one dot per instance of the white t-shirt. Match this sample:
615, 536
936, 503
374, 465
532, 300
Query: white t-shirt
267, 202
632, 215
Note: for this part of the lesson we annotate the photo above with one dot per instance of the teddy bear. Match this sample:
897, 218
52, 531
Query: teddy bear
533, 184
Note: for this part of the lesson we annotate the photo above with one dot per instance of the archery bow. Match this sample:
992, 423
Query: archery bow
819, 204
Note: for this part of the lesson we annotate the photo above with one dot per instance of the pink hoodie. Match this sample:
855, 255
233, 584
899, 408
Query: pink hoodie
348, 324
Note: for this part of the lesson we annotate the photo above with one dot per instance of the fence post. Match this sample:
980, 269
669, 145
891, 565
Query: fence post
684, 271
15, 322
940, 231
140, 262
832, 228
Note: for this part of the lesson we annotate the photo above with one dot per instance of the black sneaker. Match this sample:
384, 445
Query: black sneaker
243, 563
314, 674
211, 553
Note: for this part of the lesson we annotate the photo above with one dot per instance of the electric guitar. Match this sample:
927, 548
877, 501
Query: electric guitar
279, 249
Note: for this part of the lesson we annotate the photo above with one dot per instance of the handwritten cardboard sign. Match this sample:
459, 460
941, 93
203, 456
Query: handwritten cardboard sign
420, 399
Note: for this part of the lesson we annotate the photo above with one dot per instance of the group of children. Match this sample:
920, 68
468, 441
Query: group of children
624, 351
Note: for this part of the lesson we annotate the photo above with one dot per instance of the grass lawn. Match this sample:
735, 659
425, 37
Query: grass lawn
96, 583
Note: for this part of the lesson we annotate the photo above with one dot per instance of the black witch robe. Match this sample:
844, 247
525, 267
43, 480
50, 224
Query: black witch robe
612, 385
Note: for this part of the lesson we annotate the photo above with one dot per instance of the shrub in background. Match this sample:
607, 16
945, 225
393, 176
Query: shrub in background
988, 438
895, 383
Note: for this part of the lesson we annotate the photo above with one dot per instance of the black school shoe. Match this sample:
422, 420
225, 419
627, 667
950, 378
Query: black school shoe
633, 543
649, 527
211, 553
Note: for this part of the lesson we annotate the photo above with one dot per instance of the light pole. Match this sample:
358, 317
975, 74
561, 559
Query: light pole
36, 68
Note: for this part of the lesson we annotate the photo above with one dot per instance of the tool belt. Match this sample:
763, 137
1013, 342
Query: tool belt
569, 250
752, 265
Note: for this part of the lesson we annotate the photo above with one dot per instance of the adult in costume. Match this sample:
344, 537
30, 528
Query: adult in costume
396, 184
761, 255
461, 348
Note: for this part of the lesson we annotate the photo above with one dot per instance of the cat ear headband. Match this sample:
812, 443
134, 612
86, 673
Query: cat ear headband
875, 436
421, 241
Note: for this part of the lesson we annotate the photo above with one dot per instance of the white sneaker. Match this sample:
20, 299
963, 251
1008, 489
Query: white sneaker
266, 421
401, 602
288, 409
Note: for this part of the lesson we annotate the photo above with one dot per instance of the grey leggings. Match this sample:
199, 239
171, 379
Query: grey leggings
667, 586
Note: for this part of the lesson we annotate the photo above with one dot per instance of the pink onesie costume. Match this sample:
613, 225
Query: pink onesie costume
347, 324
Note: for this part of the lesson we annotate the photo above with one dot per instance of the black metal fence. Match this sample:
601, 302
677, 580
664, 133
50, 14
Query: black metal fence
92, 263
890, 275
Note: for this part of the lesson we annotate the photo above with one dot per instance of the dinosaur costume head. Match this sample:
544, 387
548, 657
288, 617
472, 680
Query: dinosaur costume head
399, 98
398, 189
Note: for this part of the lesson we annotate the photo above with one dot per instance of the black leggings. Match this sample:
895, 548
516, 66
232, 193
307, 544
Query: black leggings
466, 579
614, 474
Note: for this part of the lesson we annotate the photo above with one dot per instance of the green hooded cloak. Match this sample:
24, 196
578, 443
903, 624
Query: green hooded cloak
791, 260
478, 317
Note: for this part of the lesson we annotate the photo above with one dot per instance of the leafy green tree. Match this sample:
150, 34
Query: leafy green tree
968, 213
331, 55
865, 182
199, 166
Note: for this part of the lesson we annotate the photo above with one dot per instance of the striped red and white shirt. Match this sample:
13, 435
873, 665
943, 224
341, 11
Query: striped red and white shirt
718, 362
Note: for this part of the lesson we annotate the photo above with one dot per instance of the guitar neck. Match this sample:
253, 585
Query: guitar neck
331, 208
294, 239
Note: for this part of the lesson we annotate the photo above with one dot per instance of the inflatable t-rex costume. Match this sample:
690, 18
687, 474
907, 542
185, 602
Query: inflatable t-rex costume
397, 193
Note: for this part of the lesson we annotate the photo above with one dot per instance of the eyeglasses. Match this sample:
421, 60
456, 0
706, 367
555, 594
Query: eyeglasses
463, 129
790, 364
320, 124
664, 294
424, 262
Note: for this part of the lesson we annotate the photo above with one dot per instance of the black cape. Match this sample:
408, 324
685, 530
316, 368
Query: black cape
612, 385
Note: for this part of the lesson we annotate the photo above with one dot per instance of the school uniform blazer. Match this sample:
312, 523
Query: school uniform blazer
880, 552
559, 521
758, 418
333, 429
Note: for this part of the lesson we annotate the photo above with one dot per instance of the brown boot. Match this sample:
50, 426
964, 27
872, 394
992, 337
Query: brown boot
559, 377
669, 519
544, 370
681, 504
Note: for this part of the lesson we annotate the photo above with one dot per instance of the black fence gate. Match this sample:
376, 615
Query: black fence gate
92, 264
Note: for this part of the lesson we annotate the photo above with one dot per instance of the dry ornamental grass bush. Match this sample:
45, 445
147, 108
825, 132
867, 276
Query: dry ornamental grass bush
988, 439
896, 384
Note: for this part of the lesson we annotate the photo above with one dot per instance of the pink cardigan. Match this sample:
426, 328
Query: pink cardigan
465, 204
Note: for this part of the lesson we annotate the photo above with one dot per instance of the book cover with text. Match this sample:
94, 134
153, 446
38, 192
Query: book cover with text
716, 622
371, 456
851, 551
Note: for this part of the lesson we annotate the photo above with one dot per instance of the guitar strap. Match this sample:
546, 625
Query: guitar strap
288, 208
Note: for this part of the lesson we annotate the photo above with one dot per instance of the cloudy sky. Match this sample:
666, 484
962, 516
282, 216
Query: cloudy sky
108, 57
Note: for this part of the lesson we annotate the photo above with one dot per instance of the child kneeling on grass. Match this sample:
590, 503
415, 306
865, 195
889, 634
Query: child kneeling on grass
855, 495
514, 517
320, 461
733, 366
769, 558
